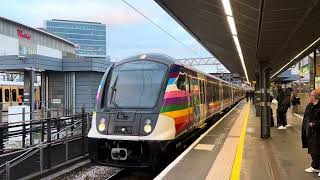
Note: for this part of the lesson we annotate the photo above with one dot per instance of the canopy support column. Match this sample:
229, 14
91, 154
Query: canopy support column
265, 108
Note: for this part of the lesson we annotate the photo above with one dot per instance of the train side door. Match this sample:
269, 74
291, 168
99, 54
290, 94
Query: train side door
14, 92
5, 97
221, 98
190, 102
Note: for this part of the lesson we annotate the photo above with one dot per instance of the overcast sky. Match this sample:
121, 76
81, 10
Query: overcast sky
128, 33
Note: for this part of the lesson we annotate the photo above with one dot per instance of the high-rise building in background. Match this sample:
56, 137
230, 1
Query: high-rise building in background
90, 37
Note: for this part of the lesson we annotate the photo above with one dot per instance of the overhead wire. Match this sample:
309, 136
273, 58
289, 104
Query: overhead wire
159, 27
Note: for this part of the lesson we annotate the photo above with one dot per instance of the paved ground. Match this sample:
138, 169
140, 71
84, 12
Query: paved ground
198, 162
280, 157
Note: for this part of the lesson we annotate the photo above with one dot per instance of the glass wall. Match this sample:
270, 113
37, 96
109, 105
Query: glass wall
90, 37
317, 69
305, 68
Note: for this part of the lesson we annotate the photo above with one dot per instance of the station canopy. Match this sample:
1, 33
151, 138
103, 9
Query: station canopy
278, 32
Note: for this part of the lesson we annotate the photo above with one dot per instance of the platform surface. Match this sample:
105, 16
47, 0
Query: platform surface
223, 153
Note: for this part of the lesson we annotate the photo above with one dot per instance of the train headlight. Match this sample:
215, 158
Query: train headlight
102, 125
147, 128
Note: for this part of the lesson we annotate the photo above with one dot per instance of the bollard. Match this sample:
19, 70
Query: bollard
42, 113
58, 128
49, 140
23, 128
30, 130
88, 123
83, 129
42, 130
0, 113
41, 156
63, 112
8, 170
67, 144
72, 122
1, 139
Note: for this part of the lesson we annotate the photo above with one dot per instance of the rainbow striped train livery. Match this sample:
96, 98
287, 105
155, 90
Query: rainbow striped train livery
148, 105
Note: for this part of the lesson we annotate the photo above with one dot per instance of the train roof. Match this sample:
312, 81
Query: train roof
169, 61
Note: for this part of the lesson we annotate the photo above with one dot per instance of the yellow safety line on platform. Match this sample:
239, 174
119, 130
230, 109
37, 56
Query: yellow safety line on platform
235, 174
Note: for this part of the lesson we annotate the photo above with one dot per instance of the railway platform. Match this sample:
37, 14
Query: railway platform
233, 149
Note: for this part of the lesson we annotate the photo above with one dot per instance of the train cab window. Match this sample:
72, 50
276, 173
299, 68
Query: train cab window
14, 95
181, 82
135, 84
6, 95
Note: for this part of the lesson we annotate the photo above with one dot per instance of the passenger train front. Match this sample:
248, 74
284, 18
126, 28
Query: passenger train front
148, 103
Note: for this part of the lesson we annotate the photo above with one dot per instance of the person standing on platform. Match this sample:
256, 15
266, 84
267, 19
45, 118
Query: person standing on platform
247, 96
310, 133
20, 99
283, 106
252, 96
279, 98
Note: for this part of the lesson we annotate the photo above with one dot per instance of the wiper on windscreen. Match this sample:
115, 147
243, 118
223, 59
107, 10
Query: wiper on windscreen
112, 97
113, 89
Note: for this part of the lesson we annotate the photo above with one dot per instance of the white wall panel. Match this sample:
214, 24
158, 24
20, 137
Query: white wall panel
8, 45
45, 51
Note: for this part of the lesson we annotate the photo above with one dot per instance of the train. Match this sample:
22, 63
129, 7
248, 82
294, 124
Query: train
10, 90
147, 105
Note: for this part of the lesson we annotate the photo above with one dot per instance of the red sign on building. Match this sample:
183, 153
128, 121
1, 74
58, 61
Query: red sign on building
23, 35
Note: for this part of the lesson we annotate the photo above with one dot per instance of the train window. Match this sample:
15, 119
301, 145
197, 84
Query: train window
21, 92
0, 95
6, 95
14, 95
181, 82
135, 84
209, 92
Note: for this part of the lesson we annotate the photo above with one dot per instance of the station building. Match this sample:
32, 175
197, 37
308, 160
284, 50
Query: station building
65, 79
20, 39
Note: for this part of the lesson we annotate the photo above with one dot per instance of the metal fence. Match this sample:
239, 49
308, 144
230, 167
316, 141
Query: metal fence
56, 135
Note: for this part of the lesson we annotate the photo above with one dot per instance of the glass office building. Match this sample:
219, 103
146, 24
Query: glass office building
90, 37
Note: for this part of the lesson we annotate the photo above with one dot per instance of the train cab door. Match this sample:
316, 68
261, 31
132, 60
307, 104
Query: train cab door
14, 92
6, 97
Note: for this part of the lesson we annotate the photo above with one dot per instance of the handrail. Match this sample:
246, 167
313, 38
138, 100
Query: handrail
35, 149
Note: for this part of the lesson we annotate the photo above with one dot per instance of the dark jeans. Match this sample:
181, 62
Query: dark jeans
282, 118
315, 161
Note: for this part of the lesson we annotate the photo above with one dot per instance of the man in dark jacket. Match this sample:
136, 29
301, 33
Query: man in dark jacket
283, 106
311, 131
279, 99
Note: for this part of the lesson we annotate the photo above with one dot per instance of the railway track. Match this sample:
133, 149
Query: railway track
90, 171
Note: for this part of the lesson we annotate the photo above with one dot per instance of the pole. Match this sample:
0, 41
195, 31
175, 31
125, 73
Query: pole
83, 129
49, 139
23, 128
257, 95
8, 170
67, 144
265, 113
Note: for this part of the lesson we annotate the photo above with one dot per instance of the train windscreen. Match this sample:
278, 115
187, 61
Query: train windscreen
135, 84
